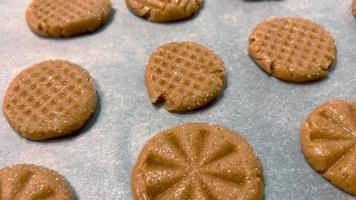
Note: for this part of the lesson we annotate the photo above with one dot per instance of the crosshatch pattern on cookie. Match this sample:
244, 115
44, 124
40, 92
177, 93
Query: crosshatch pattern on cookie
293, 49
164, 10
50, 98
63, 18
184, 75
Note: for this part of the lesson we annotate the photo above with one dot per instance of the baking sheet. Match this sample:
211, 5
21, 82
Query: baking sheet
268, 112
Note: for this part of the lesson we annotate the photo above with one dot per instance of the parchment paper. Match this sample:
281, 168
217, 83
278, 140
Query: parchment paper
268, 112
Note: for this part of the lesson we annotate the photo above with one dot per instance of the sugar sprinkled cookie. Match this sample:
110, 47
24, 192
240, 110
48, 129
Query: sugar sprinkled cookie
31, 182
163, 10
197, 161
65, 18
184, 75
292, 49
328, 138
50, 99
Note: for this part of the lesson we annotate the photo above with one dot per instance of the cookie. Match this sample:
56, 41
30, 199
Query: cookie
197, 161
50, 99
31, 182
354, 7
65, 18
184, 75
163, 10
292, 49
328, 138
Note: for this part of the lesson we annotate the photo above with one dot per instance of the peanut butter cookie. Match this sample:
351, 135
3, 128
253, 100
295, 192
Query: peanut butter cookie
65, 18
328, 138
50, 99
164, 10
293, 49
184, 75
31, 182
197, 161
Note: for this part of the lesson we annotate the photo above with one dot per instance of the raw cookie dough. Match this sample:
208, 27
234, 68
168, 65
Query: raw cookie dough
65, 18
328, 139
292, 49
31, 182
184, 75
197, 161
50, 99
163, 10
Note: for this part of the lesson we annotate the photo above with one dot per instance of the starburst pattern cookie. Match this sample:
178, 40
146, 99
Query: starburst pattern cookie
328, 139
31, 182
197, 161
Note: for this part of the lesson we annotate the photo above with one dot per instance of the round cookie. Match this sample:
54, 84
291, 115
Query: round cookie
65, 18
50, 99
197, 161
184, 75
354, 7
27, 182
292, 49
328, 138
164, 11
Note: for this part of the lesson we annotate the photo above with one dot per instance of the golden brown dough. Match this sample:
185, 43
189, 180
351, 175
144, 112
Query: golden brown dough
197, 161
164, 10
31, 182
184, 75
328, 139
50, 99
65, 18
292, 49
